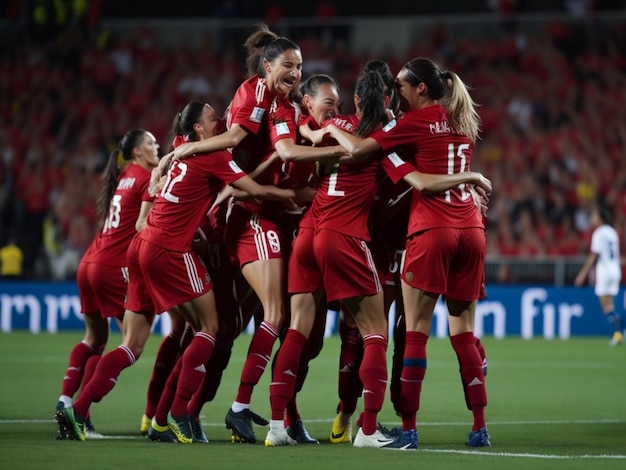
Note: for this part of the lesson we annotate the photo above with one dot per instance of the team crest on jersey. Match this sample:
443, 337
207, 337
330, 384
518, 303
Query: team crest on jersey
409, 276
282, 128
234, 167
256, 115
390, 125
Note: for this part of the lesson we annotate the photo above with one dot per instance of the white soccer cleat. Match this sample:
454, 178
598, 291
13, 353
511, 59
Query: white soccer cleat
378, 439
279, 437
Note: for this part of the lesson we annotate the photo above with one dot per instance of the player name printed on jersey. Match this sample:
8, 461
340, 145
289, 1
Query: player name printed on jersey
344, 124
441, 127
126, 183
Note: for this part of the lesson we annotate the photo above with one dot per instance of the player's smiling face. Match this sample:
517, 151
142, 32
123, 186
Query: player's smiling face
284, 73
210, 123
325, 104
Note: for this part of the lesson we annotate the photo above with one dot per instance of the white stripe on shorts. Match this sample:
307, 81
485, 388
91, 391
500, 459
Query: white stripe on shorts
194, 280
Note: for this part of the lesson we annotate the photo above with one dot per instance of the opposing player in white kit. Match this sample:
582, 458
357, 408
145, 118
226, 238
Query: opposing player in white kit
604, 254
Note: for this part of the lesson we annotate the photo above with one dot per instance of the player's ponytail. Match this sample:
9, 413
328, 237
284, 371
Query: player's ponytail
118, 159
182, 126
264, 44
370, 90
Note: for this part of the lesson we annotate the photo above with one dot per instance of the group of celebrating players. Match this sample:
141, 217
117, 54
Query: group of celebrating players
278, 211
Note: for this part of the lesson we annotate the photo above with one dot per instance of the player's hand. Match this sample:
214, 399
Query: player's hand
481, 199
314, 136
184, 150
480, 181
305, 196
158, 174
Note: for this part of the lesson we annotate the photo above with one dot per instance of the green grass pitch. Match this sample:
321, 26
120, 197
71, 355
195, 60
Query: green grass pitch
552, 404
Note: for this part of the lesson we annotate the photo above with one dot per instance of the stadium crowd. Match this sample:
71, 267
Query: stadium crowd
553, 134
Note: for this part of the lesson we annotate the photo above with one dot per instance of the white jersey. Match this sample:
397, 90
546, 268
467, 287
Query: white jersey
605, 243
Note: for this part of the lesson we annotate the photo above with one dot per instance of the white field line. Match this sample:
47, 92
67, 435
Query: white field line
522, 455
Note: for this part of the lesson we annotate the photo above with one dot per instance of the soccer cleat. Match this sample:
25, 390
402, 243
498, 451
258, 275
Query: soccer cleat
241, 425
256, 419
616, 339
394, 432
145, 425
377, 439
341, 433
159, 433
279, 437
479, 438
196, 431
73, 424
407, 440
298, 432
62, 432
181, 428
90, 430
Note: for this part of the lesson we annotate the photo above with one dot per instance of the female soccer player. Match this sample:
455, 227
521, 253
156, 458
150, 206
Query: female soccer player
604, 255
102, 277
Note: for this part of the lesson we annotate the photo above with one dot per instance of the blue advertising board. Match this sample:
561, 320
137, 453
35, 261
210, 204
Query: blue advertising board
526, 311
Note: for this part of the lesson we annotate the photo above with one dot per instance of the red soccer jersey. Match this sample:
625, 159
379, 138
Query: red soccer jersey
346, 191
250, 108
283, 119
189, 191
283, 125
109, 246
284, 116
438, 149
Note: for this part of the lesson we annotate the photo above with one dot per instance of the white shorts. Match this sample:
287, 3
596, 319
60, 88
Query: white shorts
607, 282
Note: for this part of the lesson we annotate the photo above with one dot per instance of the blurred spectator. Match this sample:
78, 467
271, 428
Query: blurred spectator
11, 258
274, 13
194, 86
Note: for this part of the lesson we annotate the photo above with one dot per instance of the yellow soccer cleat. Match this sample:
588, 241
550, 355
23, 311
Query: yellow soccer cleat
341, 432
616, 339
181, 428
145, 425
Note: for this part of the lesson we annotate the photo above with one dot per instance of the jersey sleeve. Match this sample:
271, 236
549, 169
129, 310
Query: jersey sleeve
596, 242
283, 125
245, 110
395, 133
395, 167
225, 167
